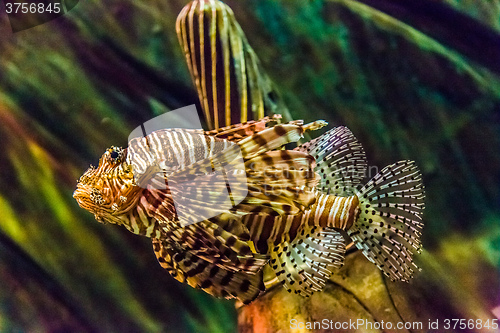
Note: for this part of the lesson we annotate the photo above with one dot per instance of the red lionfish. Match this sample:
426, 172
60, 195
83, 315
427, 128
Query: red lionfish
295, 230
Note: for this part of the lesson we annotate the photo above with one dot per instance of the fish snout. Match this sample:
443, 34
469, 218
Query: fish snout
82, 196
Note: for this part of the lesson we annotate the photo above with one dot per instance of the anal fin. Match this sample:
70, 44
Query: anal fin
305, 264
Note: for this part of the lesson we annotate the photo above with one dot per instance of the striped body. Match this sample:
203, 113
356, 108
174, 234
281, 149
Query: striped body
333, 211
133, 187
328, 211
172, 150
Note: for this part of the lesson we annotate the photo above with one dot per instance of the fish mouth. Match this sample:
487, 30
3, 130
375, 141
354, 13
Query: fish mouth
81, 195
77, 194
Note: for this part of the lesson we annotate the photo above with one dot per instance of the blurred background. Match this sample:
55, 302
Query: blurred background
412, 81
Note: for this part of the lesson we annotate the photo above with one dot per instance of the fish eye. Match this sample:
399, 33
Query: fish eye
115, 154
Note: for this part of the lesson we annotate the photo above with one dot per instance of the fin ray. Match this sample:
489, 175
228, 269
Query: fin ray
305, 264
201, 274
389, 225
340, 160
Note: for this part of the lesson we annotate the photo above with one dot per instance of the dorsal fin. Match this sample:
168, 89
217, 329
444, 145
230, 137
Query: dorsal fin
231, 84
340, 161
237, 132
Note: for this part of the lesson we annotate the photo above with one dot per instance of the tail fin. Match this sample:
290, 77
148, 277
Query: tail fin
389, 225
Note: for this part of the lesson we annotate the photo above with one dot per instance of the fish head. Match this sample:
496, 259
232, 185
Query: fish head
109, 190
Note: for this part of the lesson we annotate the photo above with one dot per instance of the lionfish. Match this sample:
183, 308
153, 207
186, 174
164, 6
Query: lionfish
300, 202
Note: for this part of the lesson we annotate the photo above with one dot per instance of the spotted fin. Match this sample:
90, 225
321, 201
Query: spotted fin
209, 195
304, 265
340, 160
210, 277
201, 198
389, 225
222, 237
188, 200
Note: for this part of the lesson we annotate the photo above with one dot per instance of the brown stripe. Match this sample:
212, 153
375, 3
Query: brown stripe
327, 211
353, 212
295, 226
231, 86
267, 228
280, 130
333, 204
340, 207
